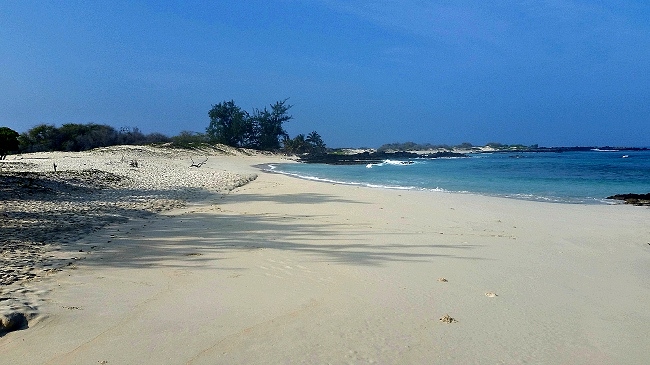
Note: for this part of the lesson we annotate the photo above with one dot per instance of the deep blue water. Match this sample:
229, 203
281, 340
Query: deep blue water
568, 177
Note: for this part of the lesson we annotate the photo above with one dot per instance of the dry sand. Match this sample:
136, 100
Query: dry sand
283, 270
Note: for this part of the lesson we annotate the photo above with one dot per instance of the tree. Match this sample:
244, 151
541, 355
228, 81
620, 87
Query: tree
268, 125
297, 145
315, 142
82, 137
8, 141
43, 137
229, 124
189, 139
263, 130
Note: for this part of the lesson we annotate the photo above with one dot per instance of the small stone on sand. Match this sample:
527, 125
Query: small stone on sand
447, 319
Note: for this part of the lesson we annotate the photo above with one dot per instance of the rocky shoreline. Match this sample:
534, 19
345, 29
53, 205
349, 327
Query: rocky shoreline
365, 158
634, 199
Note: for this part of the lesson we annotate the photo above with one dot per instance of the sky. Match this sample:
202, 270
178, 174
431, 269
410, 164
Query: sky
360, 73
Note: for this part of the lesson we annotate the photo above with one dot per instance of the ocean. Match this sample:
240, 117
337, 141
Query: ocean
585, 177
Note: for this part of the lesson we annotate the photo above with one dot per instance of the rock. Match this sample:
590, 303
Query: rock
634, 199
448, 319
12, 322
365, 158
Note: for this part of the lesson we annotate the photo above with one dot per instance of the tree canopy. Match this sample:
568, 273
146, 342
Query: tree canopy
81, 137
262, 129
8, 141
312, 143
229, 124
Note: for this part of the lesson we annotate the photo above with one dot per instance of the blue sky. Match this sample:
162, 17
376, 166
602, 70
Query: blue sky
361, 73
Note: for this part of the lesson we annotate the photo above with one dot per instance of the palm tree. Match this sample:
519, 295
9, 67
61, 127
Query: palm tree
315, 142
296, 145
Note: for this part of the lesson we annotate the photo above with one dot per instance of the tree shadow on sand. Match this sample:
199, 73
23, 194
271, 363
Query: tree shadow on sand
184, 240
194, 238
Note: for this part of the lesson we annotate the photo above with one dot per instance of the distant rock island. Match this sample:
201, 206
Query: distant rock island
372, 156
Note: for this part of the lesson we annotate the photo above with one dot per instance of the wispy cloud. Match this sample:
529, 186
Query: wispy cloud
425, 19
563, 26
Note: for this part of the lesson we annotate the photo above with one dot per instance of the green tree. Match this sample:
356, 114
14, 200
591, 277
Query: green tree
315, 142
189, 139
268, 125
296, 145
229, 124
8, 141
43, 137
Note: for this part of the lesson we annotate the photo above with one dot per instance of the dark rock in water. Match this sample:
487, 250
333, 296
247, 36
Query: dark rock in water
12, 322
370, 158
635, 199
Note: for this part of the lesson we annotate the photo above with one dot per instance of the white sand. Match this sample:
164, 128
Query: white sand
291, 271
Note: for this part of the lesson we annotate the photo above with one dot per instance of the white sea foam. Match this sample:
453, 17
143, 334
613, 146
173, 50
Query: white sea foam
398, 162
579, 177
342, 182
391, 163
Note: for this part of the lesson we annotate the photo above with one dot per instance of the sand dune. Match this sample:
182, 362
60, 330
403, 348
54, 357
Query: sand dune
282, 270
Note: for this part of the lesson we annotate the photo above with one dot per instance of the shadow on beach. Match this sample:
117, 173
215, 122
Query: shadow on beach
198, 235
41, 212
51, 225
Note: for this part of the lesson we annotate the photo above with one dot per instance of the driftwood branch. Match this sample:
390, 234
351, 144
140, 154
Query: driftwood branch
198, 164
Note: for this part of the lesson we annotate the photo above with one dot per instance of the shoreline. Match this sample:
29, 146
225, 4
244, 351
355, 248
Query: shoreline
285, 270
522, 197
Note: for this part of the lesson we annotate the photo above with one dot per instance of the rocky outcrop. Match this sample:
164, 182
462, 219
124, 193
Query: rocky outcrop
371, 157
634, 199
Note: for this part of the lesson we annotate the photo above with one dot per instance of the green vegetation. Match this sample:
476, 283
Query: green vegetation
8, 141
512, 147
229, 125
260, 130
412, 146
81, 137
312, 144
189, 139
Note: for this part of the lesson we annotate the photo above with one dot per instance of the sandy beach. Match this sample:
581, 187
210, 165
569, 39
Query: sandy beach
165, 263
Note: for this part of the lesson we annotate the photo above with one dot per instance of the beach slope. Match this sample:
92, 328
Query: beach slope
282, 270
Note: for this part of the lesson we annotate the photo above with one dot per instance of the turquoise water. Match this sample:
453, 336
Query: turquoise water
569, 177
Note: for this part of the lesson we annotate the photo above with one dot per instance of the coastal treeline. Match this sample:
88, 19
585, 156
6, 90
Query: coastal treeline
261, 129
82, 137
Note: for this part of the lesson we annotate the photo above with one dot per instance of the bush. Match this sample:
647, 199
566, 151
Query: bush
8, 141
